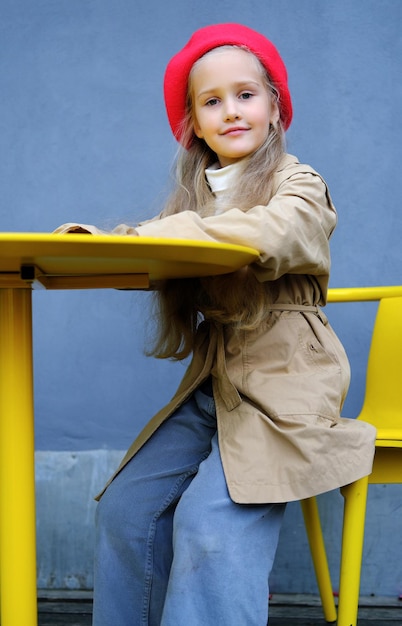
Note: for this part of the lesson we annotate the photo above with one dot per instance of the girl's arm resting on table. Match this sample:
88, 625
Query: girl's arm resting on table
291, 232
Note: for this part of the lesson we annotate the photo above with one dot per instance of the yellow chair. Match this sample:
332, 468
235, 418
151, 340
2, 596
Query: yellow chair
382, 407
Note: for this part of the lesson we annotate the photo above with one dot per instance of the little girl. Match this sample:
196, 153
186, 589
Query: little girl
188, 527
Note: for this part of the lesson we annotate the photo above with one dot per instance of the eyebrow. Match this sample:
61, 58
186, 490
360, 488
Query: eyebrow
238, 85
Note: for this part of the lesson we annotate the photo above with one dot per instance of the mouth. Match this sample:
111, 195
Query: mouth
236, 130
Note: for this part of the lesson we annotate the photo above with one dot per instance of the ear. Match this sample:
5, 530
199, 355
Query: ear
275, 115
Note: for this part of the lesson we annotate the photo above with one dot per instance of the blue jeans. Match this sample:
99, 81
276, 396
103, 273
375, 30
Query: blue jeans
172, 548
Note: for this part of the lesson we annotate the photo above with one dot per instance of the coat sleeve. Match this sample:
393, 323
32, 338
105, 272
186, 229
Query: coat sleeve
291, 233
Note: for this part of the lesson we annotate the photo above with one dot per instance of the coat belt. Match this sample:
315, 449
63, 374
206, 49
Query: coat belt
303, 308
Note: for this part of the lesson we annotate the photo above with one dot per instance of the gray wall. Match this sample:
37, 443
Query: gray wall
84, 137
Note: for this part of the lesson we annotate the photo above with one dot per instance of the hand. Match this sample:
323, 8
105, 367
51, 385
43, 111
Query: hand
71, 228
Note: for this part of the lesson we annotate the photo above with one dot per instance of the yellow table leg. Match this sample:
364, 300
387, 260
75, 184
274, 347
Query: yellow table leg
17, 475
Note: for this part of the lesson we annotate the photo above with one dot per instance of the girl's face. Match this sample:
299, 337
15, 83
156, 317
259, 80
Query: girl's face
232, 107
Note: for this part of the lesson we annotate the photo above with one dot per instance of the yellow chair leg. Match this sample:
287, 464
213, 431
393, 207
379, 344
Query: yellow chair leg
355, 496
318, 553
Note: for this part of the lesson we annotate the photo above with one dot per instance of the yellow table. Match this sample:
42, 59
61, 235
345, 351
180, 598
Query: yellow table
31, 260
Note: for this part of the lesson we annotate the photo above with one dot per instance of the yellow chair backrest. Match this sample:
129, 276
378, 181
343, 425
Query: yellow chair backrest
382, 405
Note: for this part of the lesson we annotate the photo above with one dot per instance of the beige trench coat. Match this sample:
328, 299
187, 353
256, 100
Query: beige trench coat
278, 390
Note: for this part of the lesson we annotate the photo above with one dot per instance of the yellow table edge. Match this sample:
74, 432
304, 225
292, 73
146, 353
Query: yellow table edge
72, 239
83, 261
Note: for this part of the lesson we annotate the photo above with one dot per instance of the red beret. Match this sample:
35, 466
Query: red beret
204, 40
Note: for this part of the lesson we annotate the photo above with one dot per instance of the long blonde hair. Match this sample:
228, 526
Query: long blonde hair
237, 299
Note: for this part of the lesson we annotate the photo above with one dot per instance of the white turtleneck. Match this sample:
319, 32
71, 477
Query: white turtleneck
221, 179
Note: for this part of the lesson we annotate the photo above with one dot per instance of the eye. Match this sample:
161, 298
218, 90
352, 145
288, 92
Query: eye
246, 95
211, 102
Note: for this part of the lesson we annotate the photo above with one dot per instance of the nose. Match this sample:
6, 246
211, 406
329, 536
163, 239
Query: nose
231, 109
